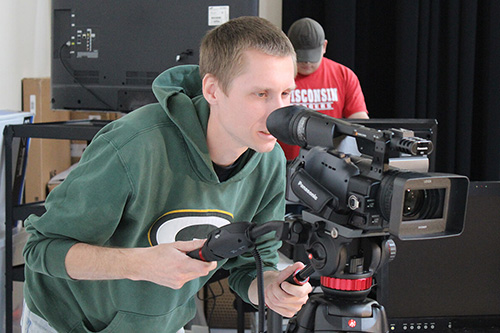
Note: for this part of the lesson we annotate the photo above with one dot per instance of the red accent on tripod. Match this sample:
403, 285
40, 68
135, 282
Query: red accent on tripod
347, 284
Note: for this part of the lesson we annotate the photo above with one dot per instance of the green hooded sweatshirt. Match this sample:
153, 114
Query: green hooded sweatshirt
147, 178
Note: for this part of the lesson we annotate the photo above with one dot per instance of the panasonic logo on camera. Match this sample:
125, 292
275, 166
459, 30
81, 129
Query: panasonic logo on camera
308, 191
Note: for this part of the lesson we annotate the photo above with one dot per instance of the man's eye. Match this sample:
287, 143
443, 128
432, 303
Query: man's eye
262, 94
285, 93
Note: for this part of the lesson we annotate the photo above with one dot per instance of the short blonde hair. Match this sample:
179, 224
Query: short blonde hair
222, 48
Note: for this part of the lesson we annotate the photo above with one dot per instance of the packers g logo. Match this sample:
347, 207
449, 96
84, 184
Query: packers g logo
186, 225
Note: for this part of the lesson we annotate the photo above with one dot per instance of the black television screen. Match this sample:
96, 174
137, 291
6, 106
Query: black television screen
106, 54
435, 285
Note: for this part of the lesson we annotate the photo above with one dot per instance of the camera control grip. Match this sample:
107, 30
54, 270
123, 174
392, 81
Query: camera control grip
300, 276
196, 254
225, 242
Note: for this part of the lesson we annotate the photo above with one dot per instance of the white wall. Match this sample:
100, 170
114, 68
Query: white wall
271, 10
25, 46
25, 43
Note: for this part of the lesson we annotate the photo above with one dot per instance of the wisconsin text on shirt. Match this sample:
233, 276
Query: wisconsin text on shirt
316, 99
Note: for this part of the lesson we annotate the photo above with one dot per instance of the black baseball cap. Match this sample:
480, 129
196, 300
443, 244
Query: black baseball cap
307, 37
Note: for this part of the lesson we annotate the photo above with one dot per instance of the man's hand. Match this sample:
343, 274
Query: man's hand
168, 264
164, 264
280, 296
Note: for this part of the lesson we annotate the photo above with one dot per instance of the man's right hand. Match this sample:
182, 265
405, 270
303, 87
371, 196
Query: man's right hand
170, 266
164, 264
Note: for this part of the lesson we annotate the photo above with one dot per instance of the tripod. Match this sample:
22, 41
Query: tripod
347, 265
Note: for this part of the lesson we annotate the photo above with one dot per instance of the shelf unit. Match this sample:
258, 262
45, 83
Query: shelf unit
67, 130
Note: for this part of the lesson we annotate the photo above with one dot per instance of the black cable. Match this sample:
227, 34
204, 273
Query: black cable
260, 289
70, 72
213, 297
212, 310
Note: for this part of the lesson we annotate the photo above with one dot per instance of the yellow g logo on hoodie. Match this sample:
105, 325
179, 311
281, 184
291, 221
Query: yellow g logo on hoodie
186, 225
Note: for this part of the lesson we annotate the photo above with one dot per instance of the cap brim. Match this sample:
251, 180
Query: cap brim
309, 55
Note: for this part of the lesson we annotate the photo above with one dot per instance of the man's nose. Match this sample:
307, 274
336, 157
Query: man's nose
282, 102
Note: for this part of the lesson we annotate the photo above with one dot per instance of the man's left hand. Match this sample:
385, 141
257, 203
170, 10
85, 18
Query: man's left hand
282, 297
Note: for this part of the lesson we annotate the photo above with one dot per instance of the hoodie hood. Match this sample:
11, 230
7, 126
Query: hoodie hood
179, 92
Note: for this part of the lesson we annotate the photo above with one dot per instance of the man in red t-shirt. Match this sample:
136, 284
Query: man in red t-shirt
322, 84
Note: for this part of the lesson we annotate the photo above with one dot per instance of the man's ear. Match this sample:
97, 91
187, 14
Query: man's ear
210, 88
324, 46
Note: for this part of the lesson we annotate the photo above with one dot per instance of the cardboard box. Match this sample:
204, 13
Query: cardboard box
78, 146
46, 157
59, 178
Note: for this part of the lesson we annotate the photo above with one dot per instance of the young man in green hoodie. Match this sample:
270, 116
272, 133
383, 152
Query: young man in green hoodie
110, 252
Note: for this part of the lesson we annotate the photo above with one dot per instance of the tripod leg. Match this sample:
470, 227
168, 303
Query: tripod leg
274, 322
240, 314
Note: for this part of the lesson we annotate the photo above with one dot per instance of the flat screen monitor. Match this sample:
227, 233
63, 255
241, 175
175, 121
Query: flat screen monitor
106, 54
449, 283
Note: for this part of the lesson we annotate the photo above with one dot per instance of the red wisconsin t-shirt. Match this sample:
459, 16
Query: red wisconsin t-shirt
333, 89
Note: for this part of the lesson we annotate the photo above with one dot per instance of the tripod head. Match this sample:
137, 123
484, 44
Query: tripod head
345, 262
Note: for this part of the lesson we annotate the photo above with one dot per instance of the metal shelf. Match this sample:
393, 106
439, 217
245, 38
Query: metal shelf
67, 130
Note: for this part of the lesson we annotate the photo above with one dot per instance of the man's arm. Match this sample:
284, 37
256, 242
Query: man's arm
359, 115
281, 297
164, 264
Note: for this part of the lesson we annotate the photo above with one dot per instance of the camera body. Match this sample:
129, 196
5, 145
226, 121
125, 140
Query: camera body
343, 188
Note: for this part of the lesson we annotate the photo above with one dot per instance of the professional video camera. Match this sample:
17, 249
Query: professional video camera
363, 192
353, 205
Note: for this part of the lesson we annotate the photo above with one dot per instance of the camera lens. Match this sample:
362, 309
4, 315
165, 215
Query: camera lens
423, 204
413, 202
419, 202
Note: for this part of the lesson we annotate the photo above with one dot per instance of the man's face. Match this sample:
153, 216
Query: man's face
307, 68
240, 115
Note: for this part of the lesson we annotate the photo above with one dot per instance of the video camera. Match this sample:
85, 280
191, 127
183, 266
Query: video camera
364, 195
